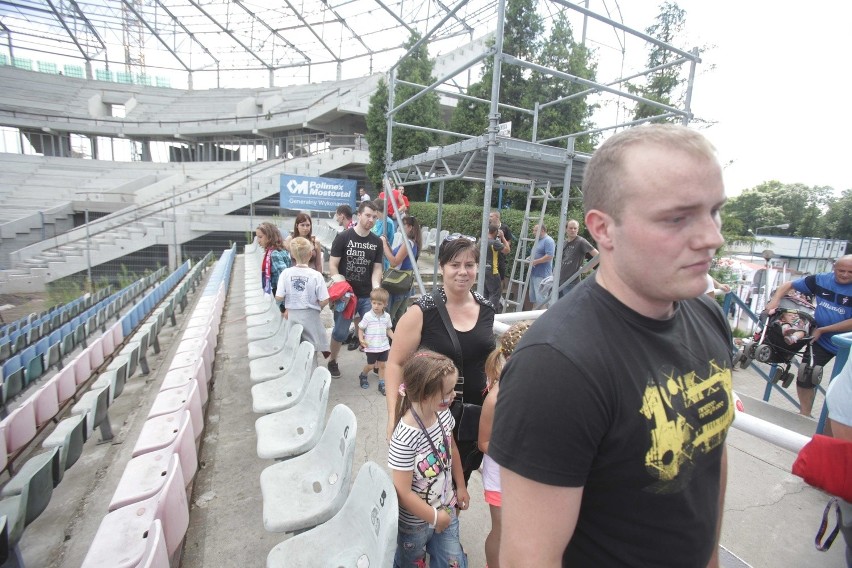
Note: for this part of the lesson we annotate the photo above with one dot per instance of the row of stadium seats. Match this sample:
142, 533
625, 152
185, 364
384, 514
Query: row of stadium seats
22, 369
148, 514
15, 336
28, 492
309, 489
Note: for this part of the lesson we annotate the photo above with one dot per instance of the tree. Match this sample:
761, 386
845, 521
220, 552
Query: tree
661, 86
561, 52
521, 30
426, 111
522, 88
838, 218
377, 126
775, 203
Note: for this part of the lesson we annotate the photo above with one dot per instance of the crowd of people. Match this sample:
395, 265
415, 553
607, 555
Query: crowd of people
588, 455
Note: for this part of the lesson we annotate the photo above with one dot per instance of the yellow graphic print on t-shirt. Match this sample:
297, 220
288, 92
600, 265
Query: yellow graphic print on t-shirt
688, 417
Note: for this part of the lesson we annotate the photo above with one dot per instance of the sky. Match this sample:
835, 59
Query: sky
775, 81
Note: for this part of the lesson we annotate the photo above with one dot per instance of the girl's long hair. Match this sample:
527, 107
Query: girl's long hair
422, 376
272, 234
505, 347
418, 236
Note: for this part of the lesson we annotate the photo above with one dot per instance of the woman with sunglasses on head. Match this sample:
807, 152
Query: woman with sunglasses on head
422, 327
304, 228
398, 258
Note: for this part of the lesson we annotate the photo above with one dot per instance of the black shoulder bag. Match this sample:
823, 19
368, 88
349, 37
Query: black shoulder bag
465, 414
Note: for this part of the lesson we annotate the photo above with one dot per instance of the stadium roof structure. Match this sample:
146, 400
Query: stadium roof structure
217, 43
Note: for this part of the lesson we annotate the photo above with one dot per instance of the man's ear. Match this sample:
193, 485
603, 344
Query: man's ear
600, 226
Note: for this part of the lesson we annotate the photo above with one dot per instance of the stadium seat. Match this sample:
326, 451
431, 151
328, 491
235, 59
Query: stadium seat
121, 538
177, 400
362, 533
284, 392
143, 476
270, 345
277, 364
95, 405
69, 437
311, 488
294, 431
34, 482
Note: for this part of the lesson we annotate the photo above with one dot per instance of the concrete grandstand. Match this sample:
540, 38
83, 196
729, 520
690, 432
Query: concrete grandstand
160, 169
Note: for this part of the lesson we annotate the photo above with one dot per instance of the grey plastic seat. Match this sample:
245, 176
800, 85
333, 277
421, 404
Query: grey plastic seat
95, 404
311, 488
259, 306
113, 379
278, 364
69, 436
284, 392
259, 332
270, 345
264, 318
363, 533
294, 431
35, 482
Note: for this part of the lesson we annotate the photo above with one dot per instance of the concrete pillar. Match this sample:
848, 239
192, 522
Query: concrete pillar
174, 257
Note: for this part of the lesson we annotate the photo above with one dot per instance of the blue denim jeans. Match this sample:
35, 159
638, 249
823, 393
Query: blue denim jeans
341, 325
535, 284
414, 542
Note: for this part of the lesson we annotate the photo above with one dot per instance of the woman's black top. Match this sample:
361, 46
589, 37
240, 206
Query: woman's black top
476, 344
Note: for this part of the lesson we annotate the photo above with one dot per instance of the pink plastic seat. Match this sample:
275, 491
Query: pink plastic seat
190, 358
108, 344
4, 457
82, 366
185, 359
121, 540
144, 475
179, 399
46, 401
156, 554
158, 432
198, 345
193, 332
177, 378
20, 426
117, 333
201, 320
66, 386
96, 353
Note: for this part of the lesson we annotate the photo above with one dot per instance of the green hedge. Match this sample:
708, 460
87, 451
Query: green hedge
467, 219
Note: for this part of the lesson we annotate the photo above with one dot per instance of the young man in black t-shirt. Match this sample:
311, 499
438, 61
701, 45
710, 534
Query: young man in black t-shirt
613, 410
356, 254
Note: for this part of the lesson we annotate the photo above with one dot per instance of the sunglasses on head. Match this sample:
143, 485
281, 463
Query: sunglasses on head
456, 236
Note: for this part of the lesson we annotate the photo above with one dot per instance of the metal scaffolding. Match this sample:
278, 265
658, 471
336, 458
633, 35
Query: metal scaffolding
494, 157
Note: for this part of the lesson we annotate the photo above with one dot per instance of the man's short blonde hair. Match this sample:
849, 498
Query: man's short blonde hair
604, 183
300, 250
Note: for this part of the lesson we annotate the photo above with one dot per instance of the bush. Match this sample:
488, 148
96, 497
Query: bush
467, 219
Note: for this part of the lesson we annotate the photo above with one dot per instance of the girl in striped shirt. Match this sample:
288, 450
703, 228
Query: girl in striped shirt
425, 463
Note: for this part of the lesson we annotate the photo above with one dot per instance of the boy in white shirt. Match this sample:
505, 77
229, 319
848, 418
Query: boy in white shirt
373, 332
304, 293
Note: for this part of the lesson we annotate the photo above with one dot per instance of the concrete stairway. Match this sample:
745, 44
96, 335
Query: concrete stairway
182, 211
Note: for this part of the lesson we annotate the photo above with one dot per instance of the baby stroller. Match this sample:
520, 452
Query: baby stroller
780, 337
